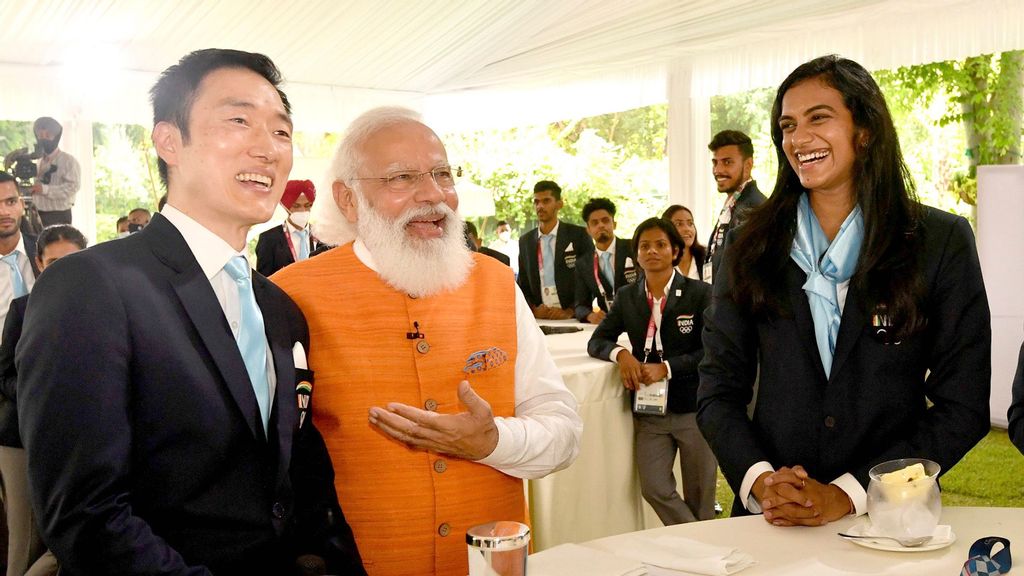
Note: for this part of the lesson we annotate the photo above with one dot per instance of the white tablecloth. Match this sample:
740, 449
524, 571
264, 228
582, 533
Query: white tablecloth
599, 495
819, 552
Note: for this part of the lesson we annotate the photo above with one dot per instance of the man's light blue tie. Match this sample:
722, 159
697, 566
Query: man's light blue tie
252, 337
304, 244
17, 280
547, 246
606, 268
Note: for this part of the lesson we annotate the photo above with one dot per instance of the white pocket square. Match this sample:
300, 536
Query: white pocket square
299, 356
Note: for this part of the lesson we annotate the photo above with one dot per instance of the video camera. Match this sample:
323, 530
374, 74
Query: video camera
24, 168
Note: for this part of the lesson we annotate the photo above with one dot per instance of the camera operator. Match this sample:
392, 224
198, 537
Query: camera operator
58, 180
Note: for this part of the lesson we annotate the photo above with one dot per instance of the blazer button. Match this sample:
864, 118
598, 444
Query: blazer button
444, 529
278, 510
422, 347
440, 466
430, 405
830, 422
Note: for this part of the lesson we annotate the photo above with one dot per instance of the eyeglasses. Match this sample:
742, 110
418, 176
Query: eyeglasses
404, 180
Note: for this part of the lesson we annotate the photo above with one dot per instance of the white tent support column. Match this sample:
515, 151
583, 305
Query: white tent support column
689, 131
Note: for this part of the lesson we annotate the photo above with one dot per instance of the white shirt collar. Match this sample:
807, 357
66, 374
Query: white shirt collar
668, 285
210, 250
554, 231
363, 253
21, 247
292, 227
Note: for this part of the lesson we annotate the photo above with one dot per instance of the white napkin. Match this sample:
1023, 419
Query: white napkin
668, 555
576, 559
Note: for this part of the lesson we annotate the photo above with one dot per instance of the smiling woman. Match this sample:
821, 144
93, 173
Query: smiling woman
840, 294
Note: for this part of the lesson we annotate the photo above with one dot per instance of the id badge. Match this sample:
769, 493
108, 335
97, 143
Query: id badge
652, 398
708, 272
549, 295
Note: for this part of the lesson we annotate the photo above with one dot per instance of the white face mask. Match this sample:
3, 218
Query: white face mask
505, 235
300, 219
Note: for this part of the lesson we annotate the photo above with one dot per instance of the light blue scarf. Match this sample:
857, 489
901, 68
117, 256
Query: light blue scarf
835, 267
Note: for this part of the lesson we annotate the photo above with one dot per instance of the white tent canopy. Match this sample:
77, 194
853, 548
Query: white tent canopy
473, 63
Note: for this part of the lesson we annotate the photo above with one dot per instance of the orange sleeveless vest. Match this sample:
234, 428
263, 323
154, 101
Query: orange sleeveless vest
409, 510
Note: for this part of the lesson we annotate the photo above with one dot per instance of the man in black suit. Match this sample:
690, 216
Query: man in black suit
292, 241
548, 256
17, 249
731, 163
176, 370
477, 245
1015, 415
610, 268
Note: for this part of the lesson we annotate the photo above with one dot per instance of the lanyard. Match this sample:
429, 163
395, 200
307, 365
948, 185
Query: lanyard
600, 286
291, 245
982, 562
654, 327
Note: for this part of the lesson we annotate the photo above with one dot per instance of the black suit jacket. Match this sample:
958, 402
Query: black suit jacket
273, 251
30, 249
681, 325
503, 258
146, 452
586, 285
1015, 415
875, 406
566, 260
750, 198
9, 376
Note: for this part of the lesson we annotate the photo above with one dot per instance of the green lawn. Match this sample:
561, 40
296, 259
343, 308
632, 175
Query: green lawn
992, 474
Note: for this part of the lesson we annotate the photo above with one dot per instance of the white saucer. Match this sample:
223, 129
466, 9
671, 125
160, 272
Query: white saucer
941, 538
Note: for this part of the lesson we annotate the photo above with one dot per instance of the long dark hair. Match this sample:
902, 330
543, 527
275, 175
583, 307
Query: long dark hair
698, 251
887, 272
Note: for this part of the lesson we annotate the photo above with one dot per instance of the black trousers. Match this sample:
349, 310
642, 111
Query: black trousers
50, 218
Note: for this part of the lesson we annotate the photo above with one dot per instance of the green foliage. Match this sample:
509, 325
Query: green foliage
641, 132
15, 135
125, 174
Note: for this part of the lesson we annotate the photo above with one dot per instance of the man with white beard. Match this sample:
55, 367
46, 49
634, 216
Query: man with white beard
436, 394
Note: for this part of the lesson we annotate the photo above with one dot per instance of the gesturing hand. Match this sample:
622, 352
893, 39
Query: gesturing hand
470, 435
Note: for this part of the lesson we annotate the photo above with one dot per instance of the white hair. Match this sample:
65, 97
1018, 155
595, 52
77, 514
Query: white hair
328, 222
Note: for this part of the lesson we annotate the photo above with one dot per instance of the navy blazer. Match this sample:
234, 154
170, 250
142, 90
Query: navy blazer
681, 325
164, 466
586, 284
925, 397
8, 375
572, 245
1015, 415
750, 198
273, 251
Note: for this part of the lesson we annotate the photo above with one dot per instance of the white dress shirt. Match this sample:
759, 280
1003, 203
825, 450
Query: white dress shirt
297, 240
212, 253
510, 249
544, 435
6, 286
847, 482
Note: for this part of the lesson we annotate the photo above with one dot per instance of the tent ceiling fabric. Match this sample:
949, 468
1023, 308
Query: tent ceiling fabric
425, 47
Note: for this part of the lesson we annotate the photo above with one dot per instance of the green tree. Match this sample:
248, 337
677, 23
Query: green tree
984, 96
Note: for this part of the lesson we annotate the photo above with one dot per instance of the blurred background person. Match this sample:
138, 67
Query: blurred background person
507, 245
732, 160
663, 317
691, 264
476, 245
138, 219
17, 249
292, 241
26, 553
122, 227
59, 175
861, 314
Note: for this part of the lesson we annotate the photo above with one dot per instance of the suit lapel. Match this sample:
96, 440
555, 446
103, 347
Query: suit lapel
795, 279
851, 326
533, 268
204, 311
284, 410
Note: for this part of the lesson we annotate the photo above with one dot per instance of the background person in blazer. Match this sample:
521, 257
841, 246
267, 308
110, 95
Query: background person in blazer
691, 264
18, 248
659, 437
571, 246
861, 314
1015, 414
732, 161
26, 553
599, 215
166, 348
291, 241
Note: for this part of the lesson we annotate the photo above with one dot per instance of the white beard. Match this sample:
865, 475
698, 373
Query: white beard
414, 266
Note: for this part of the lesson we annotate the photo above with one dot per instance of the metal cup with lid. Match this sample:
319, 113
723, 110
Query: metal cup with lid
498, 548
